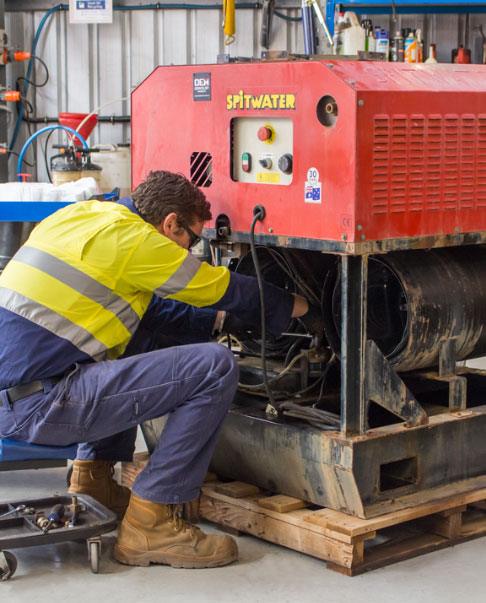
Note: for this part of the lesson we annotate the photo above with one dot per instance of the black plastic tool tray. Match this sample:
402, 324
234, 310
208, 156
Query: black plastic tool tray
18, 531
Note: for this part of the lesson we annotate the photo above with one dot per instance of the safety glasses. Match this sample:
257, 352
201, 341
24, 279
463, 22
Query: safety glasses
194, 239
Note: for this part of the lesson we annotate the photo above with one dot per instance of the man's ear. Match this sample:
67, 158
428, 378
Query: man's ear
169, 224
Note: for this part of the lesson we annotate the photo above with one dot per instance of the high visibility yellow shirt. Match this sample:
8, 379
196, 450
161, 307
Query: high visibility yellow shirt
86, 276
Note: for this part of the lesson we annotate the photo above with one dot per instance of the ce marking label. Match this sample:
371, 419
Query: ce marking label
346, 222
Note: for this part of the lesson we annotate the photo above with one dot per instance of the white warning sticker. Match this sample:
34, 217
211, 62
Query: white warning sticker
91, 11
313, 187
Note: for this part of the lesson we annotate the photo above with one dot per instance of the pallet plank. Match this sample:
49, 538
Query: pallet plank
237, 489
447, 523
393, 553
282, 503
232, 516
297, 518
354, 526
276, 531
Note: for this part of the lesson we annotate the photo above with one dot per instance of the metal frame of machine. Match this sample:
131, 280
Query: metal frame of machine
386, 159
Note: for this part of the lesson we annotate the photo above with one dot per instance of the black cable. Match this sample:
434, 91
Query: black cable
258, 215
284, 264
294, 345
331, 362
28, 107
32, 83
270, 268
286, 17
25, 104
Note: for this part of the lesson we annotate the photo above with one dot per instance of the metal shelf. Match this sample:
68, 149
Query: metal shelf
403, 7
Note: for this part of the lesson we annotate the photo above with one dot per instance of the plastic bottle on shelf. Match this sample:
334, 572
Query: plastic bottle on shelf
370, 44
461, 55
420, 46
338, 31
354, 37
383, 43
431, 58
410, 48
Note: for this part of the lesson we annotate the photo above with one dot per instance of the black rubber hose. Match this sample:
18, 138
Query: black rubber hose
258, 216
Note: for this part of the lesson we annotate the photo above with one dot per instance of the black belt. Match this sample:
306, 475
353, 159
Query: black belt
22, 391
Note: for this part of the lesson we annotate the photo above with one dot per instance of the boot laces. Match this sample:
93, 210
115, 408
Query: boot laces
179, 524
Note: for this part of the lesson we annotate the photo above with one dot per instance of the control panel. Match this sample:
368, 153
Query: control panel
262, 150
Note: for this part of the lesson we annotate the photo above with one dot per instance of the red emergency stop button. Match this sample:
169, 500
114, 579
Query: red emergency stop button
264, 133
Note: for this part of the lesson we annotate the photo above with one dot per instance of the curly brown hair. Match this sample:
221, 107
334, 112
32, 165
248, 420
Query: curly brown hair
162, 193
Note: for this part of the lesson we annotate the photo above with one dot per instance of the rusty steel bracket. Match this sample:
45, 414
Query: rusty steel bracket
447, 372
447, 356
384, 386
457, 393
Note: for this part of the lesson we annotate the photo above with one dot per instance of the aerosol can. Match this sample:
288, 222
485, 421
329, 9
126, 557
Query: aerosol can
397, 47
410, 48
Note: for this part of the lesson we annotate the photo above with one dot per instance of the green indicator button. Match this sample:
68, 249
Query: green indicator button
246, 162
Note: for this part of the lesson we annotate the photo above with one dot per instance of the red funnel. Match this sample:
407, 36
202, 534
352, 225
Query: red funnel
72, 120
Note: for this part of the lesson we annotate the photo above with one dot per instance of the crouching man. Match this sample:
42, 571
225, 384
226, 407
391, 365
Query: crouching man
76, 303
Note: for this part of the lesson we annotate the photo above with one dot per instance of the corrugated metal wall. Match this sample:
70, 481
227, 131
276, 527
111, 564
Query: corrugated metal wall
93, 65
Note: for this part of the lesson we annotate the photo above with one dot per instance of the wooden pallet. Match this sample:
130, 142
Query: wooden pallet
350, 545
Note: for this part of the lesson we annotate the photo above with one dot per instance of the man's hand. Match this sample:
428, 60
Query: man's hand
314, 323
234, 326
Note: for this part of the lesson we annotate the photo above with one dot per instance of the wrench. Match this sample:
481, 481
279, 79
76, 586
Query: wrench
16, 510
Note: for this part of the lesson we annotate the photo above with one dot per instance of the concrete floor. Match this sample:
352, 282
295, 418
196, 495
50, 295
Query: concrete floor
265, 573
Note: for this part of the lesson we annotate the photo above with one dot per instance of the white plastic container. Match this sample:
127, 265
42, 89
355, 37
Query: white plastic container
383, 43
116, 163
354, 36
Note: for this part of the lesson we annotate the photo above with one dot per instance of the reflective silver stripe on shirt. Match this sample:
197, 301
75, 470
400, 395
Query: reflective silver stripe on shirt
53, 322
80, 282
181, 277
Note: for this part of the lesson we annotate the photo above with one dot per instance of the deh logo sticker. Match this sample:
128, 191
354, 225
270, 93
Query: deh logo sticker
201, 84
313, 187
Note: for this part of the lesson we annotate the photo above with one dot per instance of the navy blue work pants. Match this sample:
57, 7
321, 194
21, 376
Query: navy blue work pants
99, 406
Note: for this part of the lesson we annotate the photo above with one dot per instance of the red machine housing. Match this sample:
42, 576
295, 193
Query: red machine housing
402, 159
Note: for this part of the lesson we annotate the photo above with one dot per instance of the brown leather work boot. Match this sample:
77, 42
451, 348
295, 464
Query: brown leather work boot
95, 478
156, 533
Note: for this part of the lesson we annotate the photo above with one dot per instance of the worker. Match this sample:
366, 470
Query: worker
82, 304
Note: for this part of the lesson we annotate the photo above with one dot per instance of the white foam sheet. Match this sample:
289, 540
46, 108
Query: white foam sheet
79, 190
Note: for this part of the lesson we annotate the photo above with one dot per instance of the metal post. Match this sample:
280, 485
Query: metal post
3, 114
353, 338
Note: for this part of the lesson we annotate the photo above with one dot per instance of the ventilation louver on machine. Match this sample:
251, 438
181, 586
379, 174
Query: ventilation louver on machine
201, 168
